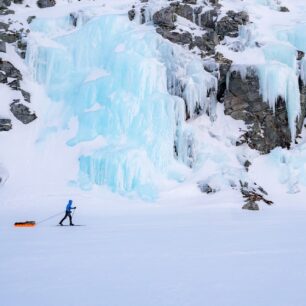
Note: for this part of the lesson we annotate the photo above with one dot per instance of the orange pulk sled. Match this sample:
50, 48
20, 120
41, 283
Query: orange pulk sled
25, 224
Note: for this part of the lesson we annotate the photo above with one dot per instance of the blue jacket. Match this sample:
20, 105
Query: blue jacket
69, 207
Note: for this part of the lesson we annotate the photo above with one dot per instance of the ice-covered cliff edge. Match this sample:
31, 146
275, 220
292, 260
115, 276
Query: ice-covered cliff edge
126, 94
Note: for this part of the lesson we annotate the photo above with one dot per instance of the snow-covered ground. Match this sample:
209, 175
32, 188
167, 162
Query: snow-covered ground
205, 251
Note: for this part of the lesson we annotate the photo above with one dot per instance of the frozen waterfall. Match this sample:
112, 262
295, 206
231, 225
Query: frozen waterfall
124, 83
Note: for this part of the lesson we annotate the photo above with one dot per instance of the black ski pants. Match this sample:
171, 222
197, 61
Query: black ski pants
67, 215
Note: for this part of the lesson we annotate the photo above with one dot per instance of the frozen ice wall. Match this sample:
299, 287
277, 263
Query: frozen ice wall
296, 37
114, 77
276, 80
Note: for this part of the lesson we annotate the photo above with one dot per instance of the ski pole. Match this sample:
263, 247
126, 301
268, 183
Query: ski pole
73, 213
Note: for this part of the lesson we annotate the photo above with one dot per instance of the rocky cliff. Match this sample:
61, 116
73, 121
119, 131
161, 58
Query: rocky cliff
207, 27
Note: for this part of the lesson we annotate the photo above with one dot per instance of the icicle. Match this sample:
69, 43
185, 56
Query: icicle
278, 80
247, 35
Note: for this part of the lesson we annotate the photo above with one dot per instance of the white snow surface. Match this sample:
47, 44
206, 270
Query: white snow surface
196, 252
184, 248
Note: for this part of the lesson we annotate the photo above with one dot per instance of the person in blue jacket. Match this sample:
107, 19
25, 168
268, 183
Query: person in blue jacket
68, 213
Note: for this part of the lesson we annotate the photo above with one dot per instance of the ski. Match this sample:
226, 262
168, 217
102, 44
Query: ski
71, 225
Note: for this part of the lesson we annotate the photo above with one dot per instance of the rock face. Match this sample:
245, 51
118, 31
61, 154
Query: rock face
229, 25
266, 130
9, 71
17, 38
165, 21
4, 7
3, 26
183, 10
243, 101
9, 74
208, 19
224, 66
205, 17
165, 18
5, 3
207, 42
45, 3
181, 38
10, 37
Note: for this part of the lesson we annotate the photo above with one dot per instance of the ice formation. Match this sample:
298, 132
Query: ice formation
278, 80
277, 68
139, 103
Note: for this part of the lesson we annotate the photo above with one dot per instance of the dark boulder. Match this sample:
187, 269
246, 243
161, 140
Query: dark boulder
180, 38
247, 165
284, 9
9, 70
205, 188
183, 10
229, 24
45, 3
2, 46
207, 42
131, 14
214, 2
15, 84
4, 11
10, 37
30, 19
300, 55
190, 1
165, 18
3, 78
5, 125
5, 4
4, 26
250, 206
22, 112
26, 95
208, 19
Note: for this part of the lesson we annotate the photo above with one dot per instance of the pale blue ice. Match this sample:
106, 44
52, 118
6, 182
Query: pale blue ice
129, 72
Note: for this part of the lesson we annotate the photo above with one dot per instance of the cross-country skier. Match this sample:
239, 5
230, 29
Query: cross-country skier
68, 213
